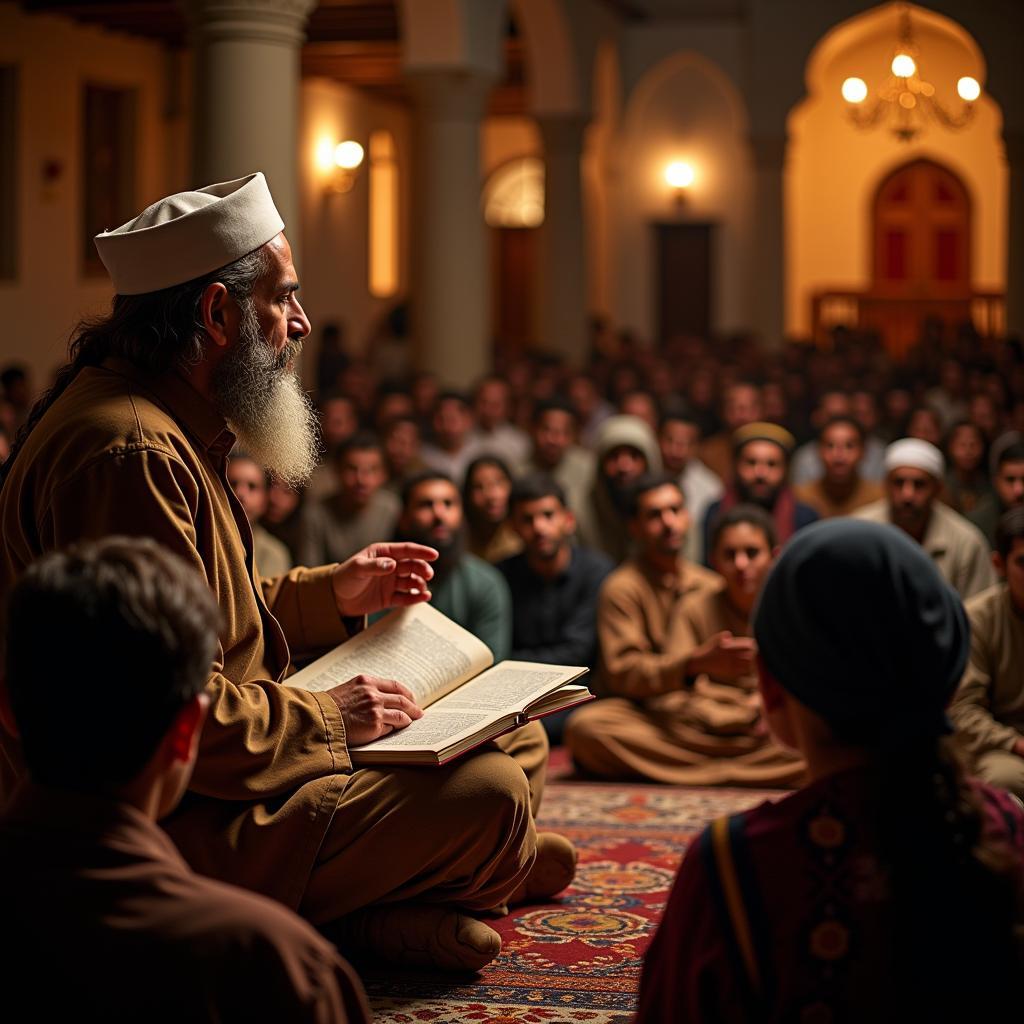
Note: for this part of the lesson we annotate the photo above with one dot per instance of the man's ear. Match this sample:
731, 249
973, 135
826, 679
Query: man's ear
218, 313
570, 521
999, 564
183, 735
6, 711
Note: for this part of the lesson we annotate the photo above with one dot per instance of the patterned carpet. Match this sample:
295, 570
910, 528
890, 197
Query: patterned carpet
576, 961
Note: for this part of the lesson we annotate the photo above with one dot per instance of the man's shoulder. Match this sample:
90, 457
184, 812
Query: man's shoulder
592, 563
954, 524
986, 606
876, 512
697, 579
478, 571
514, 567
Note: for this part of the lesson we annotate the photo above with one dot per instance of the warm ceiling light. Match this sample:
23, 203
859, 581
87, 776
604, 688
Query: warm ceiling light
968, 89
679, 174
903, 65
325, 154
348, 155
855, 90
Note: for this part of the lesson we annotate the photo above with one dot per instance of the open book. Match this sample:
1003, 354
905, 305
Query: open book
449, 672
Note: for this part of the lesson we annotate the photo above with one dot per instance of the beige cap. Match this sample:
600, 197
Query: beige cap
189, 234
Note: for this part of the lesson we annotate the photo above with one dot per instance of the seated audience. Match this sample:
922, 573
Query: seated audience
914, 472
556, 453
107, 921
886, 889
360, 510
643, 405
465, 588
841, 488
554, 584
741, 404
339, 420
625, 450
489, 533
591, 408
703, 725
495, 434
400, 440
283, 517
988, 710
1007, 466
251, 483
807, 465
393, 403
967, 487
451, 448
925, 424
760, 468
679, 440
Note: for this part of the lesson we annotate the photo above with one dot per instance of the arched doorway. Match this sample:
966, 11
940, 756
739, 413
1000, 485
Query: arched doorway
921, 266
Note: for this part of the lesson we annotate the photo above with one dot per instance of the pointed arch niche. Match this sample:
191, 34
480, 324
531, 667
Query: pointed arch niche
834, 170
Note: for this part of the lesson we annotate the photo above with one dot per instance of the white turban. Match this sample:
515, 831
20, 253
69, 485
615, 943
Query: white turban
917, 454
189, 234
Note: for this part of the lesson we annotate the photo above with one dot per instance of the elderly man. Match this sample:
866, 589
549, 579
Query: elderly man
914, 472
760, 470
988, 710
197, 352
685, 707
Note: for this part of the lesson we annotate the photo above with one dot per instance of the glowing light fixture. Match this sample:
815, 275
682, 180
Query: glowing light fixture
906, 95
339, 164
855, 90
680, 175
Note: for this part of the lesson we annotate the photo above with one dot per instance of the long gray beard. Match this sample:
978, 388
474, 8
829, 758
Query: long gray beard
265, 406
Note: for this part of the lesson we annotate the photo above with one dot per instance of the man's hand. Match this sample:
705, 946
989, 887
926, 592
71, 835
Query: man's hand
723, 656
383, 576
372, 707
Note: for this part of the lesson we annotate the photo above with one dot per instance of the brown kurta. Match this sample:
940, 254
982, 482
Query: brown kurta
988, 709
709, 732
828, 506
121, 452
111, 925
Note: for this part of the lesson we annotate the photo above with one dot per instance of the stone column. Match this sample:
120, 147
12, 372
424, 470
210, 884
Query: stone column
562, 288
768, 258
245, 98
1015, 235
451, 266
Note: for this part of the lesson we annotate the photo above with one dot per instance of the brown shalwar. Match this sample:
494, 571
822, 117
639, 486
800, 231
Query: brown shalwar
988, 708
274, 799
105, 921
659, 728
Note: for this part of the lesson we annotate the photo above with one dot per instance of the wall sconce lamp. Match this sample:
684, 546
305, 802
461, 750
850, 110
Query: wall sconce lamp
679, 176
341, 164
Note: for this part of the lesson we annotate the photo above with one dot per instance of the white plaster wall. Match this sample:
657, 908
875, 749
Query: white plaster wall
834, 169
334, 264
55, 58
684, 108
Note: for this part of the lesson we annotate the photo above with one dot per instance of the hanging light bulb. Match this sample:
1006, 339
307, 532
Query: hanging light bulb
903, 65
855, 90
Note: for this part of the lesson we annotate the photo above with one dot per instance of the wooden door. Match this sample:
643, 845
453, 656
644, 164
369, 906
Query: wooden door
514, 257
921, 252
683, 279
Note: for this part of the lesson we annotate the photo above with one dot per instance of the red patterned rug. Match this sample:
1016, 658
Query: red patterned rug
575, 961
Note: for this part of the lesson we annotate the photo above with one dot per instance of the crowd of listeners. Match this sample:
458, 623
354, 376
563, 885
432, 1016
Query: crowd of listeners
627, 518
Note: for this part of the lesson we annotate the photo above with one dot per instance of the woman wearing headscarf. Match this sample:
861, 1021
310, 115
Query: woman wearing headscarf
887, 889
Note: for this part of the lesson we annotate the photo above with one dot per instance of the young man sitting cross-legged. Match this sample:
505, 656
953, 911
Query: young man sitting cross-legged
108, 651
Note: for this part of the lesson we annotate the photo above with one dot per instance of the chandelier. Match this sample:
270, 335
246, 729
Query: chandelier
906, 97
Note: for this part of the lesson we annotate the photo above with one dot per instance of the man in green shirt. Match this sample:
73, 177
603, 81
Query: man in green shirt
465, 588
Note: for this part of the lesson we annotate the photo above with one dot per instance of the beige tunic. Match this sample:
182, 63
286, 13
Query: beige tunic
957, 547
706, 733
988, 709
274, 804
828, 506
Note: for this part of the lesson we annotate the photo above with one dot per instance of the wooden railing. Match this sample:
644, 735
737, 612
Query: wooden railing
899, 320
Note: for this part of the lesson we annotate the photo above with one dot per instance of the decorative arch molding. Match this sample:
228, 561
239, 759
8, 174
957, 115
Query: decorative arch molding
655, 79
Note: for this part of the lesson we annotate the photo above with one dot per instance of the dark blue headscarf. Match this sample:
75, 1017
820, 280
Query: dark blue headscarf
855, 621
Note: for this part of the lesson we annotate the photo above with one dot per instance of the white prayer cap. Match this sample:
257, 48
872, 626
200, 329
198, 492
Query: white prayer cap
917, 454
189, 234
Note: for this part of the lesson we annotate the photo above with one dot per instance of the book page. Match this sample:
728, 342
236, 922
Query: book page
510, 686
419, 647
432, 732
